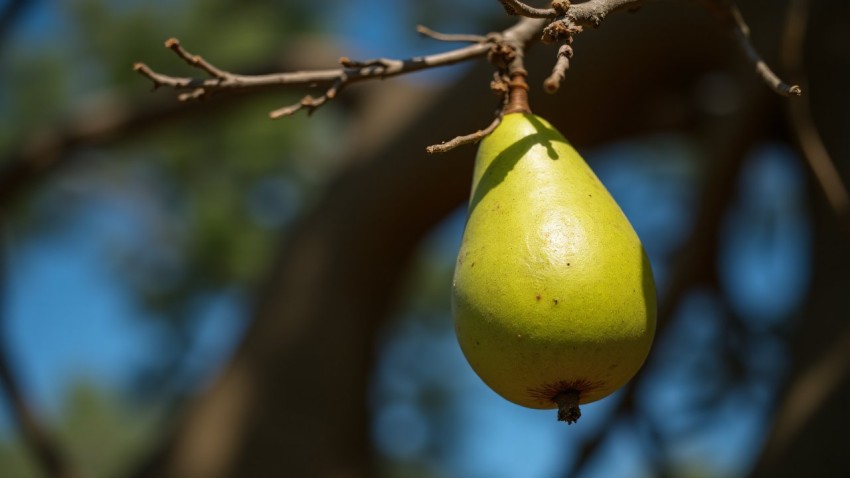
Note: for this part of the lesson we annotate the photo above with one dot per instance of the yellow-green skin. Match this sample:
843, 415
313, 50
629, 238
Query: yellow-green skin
552, 289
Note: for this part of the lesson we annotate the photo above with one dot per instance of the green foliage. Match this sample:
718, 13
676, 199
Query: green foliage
208, 196
101, 434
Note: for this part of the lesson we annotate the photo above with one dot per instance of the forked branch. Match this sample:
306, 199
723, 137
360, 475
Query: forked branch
555, 24
333, 80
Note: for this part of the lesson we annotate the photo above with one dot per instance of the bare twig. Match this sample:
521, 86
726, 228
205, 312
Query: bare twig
516, 7
465, 139
803, 125
450, 37
728, 11
195, 60
44, 448
559, 71
509, 83
309, 102
334, 79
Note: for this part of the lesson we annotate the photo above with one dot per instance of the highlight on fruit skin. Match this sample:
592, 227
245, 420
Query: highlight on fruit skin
553, 295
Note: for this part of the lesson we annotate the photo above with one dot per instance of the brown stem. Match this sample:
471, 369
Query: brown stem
568, 409
517, 94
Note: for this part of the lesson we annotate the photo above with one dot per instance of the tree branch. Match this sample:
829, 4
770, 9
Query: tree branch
336, 78
471, 138
516, 7
803, 125
729, 13
333, 79
559, 71
588, 14
46, 451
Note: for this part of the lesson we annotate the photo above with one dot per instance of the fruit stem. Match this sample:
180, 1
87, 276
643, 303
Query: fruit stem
517, 93
568, 409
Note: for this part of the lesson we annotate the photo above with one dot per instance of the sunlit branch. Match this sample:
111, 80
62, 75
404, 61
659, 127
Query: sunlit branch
333, 79
471, 138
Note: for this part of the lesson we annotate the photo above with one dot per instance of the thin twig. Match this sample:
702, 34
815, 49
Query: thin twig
559, 71
46, 451
309, 102
516, 7
195, 60
465, 139
334, 79
450, 37
729, 12
803, 125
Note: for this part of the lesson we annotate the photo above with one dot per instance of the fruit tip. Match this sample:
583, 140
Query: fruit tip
568, 409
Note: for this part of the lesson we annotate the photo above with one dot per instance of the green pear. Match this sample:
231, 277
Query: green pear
553, 295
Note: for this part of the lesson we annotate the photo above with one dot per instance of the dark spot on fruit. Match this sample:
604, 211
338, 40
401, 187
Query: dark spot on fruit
568, 264
548, 391
590, 195
537, 297
472, 265
555, 301
477, 343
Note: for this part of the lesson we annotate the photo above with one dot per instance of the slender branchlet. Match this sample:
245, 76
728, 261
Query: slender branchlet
731, 15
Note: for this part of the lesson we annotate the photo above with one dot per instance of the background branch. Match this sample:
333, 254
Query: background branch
800, 116
731, 15
45, 450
